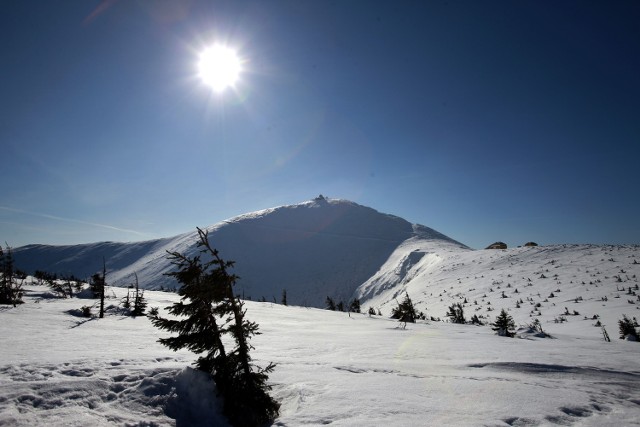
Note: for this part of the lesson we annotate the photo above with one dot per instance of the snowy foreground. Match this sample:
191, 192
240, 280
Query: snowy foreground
58, 369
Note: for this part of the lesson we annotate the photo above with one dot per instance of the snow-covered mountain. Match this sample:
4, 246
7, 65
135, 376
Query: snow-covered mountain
329, 247
323, 247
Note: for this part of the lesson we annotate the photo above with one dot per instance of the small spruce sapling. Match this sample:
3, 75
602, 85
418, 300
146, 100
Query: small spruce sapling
330, 304
126, 301
354, 306
504, 324
139, 301
102, 287
627, 329
98, 285
456, 313
475, 320
10, 287
56, 287
86, 310
405, 311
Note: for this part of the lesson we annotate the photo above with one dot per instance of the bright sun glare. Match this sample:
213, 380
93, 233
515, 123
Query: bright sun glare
219, 67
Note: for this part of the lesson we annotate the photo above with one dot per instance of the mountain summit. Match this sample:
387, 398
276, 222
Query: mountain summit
318, 248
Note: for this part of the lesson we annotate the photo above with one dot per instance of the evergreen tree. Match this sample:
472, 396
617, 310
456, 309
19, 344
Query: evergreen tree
405, 312
372, 311
139, 301
200, 331
354, 307
126, 301
56, 287
10, 289
456, 313
627, 329
284, 297
475, 320
331, 305
504, 324
96, 285
537, 326
212, 310
63, 288
103, 285
340, 306
68, 286
6, 281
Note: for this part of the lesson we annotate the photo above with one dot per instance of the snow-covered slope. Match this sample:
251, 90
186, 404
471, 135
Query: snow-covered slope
323, 247
57, 369
544, 282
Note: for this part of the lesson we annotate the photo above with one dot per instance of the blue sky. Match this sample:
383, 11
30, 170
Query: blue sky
511, 121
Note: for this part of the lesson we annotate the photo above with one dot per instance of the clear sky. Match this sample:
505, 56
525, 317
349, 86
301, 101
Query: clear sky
511, 121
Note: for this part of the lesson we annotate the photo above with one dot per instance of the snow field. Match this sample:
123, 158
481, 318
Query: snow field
332, 368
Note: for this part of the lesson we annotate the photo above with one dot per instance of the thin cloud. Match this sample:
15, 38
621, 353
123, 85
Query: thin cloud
99, 10
76, 221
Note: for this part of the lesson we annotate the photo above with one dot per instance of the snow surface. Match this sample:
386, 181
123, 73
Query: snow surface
332, 368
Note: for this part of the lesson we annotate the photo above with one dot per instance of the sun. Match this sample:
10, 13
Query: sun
219, 67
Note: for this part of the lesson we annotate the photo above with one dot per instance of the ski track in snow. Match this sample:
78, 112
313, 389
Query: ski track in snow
605, 389
595, 394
